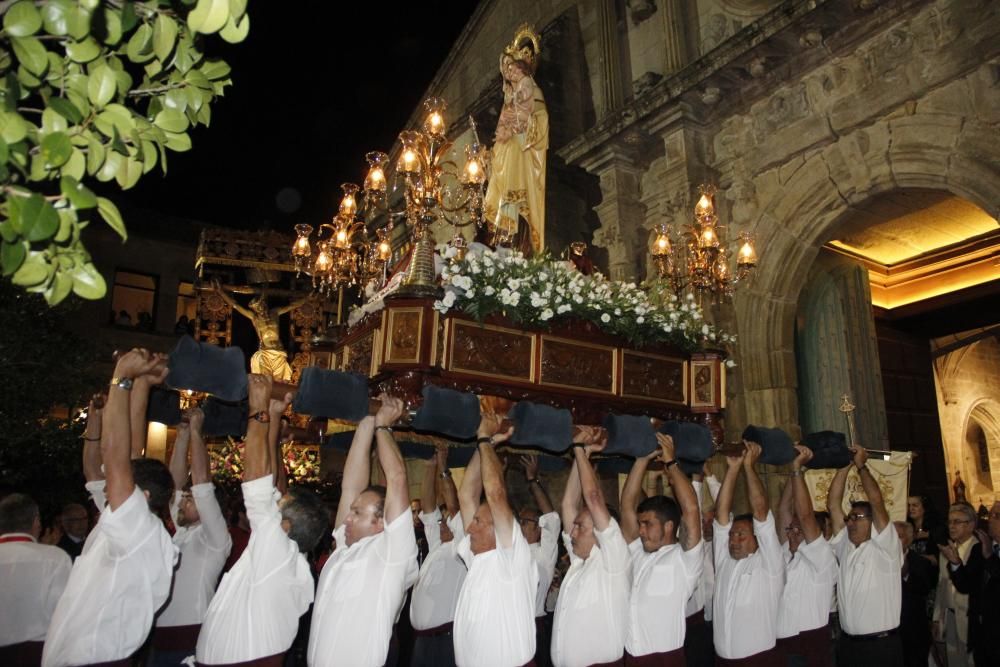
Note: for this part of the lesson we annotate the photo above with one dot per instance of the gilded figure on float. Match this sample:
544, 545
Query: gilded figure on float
271, 358
517, 183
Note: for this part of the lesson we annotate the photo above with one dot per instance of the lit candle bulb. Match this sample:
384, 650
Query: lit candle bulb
708, 238
704, 205
375, 180
384, 251
747, 256
409, 161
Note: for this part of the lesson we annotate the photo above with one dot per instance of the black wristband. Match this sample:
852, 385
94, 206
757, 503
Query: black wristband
533, 480
387, 429
487, 441
668, 464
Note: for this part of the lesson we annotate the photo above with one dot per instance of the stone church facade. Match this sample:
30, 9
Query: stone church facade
799, 112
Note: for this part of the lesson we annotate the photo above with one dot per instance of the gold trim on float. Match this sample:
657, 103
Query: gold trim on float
377, 351
492, 327
684, 377
389, 333
708, 363
614, 364
434, 337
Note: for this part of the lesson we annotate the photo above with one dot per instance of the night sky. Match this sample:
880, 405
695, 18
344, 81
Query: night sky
316, 85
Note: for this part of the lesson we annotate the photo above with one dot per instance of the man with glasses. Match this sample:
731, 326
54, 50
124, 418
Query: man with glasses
810, 573
869, 588
75, 524
979, 578
951, 607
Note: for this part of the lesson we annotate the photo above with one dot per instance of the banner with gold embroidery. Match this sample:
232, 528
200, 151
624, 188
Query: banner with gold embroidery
893, 477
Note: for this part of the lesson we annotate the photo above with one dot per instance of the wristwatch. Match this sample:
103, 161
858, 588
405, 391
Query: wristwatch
264, 417
122, 383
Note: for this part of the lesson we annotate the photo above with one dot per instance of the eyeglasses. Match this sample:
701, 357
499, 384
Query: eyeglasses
858, 516
956, 522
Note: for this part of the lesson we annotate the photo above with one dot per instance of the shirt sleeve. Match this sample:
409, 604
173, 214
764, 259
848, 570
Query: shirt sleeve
720, 541
96, 491
457, 527
694, 565
616, 552
888, 543
518, 556
550, 525
769, 545
464, 551
398, 542
713, 486
432, 529
839, 543
175, 505
568, 545
214, 526
269, 547
818, 554
57, 580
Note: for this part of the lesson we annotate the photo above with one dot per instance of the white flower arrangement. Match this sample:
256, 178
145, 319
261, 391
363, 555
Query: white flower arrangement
533, 292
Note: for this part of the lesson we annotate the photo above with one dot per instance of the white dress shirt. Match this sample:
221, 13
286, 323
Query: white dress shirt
495, 617
96, 490
701, 597
590, 621
747, 591
810, 575
117, 584
360, 594
545, 552
204, 549
434, 596
662, 582
869, 586
32, 577
948, 597
255, 613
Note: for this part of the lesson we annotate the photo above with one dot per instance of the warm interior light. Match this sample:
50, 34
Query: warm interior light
747, 256
341, 237
704, 205
348, 206
324, 261
301, 248
384, 251
708, 238
409, 160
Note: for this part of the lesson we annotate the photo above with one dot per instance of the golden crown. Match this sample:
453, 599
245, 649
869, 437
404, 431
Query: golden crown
526, 46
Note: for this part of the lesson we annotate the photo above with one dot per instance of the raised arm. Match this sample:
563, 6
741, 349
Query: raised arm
538, 492
755, 488
448, 490
472, 489
880, 516
357, 468
275, 410
257, 454
397, 495
631, 493
835, 499
428, 485
179, 459
92, 439
292, 306
724, 503
116, 429
786, 510
494, 485
683, 493
137, 405
224, 295
803, 503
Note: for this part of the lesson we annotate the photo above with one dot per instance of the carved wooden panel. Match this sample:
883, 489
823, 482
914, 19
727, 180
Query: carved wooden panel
491, 351
215, 322
566, 363
358, 355
403, 335
707, 383
652, 376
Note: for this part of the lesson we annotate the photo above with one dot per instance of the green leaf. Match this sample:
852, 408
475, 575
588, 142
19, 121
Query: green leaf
34, 270
22, 19
176, 98
114, 116
88, 283
129, 173
237, 8
140, 46
27, 79
4, 152
52, 121
59, 288
148, 156
66, 109
112, 162
76, 166
179, 142
171, 120
83, 51
185, 55
236, 31
95, 154
208, 16
110, 213
67, 222
198, 79
215, 69
79, 100
39, 220
11, 256
13, 128
55, 16
164, 36
205, 115
78, 22
112, 26
77, 193
152, 68
124, 80
31, 54
56, 149
101, 85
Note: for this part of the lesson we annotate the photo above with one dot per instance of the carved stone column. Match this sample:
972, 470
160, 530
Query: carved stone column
621, 212
675, 46
613, 84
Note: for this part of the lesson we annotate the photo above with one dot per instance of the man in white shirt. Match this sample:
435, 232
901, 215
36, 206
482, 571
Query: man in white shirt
494, 619
810, 574
254, 616
123, 575
869, 585
202, 538
664, 571
591, 610
363, 583
749, 570
698, 647
951, 608
541, 528
32, 577
434, 596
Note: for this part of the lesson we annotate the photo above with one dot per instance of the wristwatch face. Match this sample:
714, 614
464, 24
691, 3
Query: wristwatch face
122, 383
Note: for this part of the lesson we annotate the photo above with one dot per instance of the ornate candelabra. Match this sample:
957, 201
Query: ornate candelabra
701, 260
354, 248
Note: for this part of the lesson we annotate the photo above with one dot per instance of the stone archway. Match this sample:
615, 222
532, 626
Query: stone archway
979, 454
803, 203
